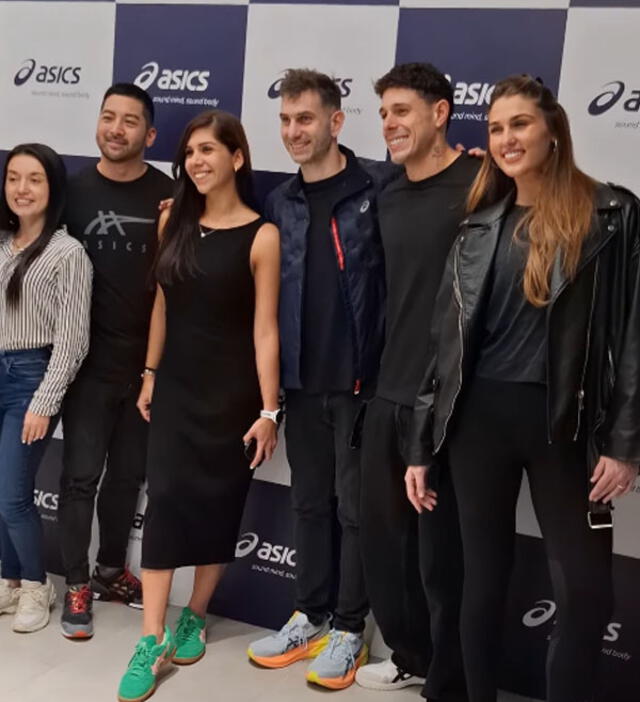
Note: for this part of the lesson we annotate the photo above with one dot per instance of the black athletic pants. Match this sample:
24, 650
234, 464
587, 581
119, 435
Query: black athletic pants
100, 421
501, 429
412, 563
324, 467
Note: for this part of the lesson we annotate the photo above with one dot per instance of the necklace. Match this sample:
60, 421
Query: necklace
205, 232
18, 249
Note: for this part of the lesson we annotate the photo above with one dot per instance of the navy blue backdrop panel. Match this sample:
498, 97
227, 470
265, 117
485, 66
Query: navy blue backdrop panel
46, 497
475, 48
259, 586
192, 59
531, 614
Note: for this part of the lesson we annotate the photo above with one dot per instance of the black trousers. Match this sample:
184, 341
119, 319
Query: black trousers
412, 563
100, 422
501, 429
325, 467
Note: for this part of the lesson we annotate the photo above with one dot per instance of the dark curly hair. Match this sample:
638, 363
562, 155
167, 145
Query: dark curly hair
431, 84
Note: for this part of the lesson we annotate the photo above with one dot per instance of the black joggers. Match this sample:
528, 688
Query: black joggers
100, 421
324, 467
499, 430
412, 563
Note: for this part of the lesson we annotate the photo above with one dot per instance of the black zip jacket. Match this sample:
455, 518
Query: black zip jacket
592, 334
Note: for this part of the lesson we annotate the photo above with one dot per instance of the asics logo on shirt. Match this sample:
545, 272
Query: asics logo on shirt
106, 221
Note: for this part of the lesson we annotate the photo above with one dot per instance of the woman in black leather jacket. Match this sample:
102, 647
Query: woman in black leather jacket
536, 355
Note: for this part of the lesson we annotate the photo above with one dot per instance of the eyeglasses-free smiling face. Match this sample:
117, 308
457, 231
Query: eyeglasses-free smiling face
520, 142
208, 162
409, 124
123, 133
308, 127
26, 186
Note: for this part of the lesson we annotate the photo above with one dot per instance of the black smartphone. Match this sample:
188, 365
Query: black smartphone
250, 449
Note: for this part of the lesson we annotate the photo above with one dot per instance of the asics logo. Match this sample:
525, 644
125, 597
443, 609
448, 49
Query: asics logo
545, 610
344, 85
106, 221
541, 614
25, 71
246, 544
68, 75
172, 79
48, 500
607, 99
614, 92
273, 553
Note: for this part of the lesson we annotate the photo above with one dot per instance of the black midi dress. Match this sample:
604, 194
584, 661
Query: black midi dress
206, 397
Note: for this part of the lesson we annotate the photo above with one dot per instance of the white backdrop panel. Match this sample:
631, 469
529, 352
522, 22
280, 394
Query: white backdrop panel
600, 88
57, 60
361, 48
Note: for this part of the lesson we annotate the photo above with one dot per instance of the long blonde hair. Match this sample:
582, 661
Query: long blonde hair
561, 215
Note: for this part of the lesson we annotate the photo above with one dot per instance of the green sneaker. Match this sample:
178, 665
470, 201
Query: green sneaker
139, 682
191, 638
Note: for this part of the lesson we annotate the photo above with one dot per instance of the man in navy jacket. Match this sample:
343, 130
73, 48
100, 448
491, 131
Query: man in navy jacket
331, 332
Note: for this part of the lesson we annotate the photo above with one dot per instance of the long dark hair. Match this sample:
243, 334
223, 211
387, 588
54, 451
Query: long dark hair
560, 218
177, 254
57, 179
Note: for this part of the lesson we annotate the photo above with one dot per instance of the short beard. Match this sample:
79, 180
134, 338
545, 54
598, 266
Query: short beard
320, 154
132, 154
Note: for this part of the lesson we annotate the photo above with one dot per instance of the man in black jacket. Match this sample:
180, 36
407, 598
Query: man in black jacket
413, 563
331, 326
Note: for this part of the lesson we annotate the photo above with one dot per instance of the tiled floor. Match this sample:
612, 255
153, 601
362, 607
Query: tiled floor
44, 667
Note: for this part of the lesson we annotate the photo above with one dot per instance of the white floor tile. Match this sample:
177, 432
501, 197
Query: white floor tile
45, 667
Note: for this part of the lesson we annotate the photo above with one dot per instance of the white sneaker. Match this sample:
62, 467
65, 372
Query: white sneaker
34, 606
9, 597
385, 676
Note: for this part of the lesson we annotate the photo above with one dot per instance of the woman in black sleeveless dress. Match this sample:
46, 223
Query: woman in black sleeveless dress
214, 343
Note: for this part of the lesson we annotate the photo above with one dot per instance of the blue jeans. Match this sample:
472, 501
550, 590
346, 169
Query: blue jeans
21, 540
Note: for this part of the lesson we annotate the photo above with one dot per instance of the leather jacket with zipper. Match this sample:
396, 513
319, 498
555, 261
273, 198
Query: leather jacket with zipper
592, 335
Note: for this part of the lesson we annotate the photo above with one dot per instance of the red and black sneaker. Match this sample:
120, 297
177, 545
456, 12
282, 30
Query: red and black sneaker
123, 587
77, 615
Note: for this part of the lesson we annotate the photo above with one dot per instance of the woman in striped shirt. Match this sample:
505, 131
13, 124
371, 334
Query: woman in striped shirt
45, 292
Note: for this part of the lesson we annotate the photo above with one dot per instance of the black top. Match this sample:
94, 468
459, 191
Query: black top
513, 347
419, 223
327, 349
117, 224
206, 397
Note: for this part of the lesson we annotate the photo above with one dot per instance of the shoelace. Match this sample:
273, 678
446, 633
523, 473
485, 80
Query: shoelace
12, 592
79, 600
187, 627
141, 659
295, 634
33, 599
129, 583
401, 675
339, 645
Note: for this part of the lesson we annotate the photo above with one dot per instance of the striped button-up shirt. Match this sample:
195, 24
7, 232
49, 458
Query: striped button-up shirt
53, 310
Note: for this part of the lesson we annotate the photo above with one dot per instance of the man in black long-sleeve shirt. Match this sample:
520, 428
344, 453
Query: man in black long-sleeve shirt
413, 563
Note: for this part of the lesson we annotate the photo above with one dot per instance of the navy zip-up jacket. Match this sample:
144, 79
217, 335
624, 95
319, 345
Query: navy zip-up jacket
359, 259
